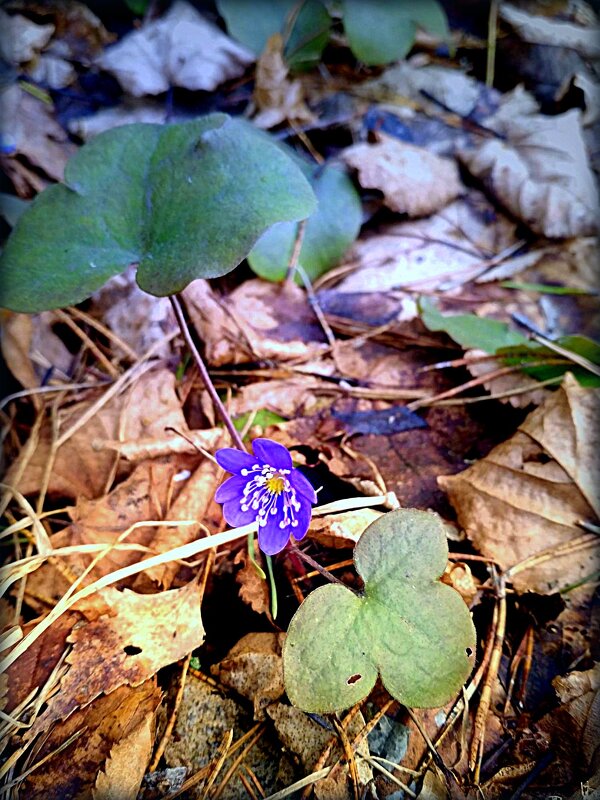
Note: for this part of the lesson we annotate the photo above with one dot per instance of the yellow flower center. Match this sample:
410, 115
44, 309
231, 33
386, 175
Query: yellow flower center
275, 484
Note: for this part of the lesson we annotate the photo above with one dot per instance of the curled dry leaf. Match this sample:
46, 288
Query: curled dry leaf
122, 773
536, 29
126, 646
574, 727
423, 254
539, 172
254, 590
413, 180
258, 320
527, 495
181, 48
107, 722
276, 96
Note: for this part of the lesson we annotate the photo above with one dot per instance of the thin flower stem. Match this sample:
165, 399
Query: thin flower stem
179, 316
272, 586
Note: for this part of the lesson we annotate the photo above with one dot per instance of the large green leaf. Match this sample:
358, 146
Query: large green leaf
328, 234
182, 201
407, 626
304, 23
380, 31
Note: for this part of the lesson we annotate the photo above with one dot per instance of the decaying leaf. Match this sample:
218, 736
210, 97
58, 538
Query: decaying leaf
108, 721
422, 254
123, 770
505, 383
276, 96
540, 172
181, 48
342, 530
81, 466
21, 38
413, 180
258, 320
537, 29
253, 668
527, 495
254, 589
141, 634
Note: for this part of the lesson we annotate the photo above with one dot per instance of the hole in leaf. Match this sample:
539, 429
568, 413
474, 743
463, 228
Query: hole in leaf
353, 679
468, 651
132, 650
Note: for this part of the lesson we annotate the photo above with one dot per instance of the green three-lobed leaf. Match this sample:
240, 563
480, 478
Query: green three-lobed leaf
182, 201
410, 628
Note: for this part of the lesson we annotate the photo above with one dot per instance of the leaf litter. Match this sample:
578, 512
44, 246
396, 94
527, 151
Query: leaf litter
110, 446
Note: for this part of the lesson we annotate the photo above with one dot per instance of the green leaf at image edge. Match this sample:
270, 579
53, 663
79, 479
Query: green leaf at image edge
182, 201
407, 626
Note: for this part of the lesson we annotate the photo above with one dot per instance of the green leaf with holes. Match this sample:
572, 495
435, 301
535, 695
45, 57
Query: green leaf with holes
380, 31
328, 234
181, 201
406, 625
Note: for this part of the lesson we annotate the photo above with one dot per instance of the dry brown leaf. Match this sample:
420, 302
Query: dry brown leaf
458, 575
431, 254
82, 467
140, 635
342, 530
506, 383
254, 589
121, 776
540, 172
32, 130
254, 669
277, 97
72, 773
413, 180
574, 727
194, 502
537, 29
258, 320
528, 494
180, 48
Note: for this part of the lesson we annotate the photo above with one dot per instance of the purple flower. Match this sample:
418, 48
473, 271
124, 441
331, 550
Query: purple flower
265, 488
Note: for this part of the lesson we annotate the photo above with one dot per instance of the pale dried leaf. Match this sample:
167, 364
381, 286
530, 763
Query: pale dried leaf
430, 254
277, 97
342, 530
140, 635
537, 29
257, 320
124, 114
254, 669
413, 180
121, 776
140, 319
20, 38
82, 464
540, 172
29, 128
506, 383
566, 427
17, 333
108, 720
181, 48
519, 501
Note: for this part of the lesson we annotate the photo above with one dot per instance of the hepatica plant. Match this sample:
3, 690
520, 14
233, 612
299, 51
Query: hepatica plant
191, 201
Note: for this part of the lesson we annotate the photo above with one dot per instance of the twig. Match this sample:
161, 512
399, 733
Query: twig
491, 48
171, 723
293, 262
478, 741
218, 403
316, 307
293, 548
